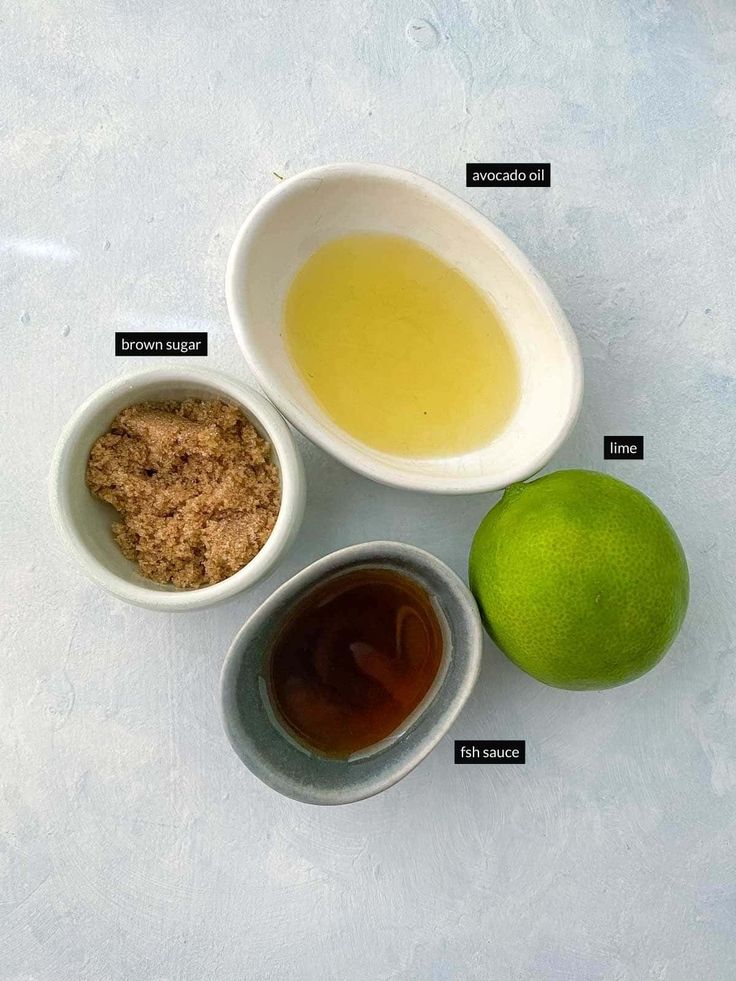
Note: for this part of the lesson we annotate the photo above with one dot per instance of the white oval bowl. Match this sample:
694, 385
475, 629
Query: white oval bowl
308, 210
84, 522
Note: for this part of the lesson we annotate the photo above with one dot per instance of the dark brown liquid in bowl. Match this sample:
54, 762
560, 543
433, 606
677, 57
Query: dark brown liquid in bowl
355, 658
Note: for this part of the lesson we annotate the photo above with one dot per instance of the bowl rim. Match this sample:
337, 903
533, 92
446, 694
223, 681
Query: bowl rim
284, 447
355, 458
372, 552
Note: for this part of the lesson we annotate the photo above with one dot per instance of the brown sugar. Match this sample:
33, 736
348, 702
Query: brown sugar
197, 492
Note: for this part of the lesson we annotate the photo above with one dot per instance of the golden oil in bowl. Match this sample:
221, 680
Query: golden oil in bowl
399, 348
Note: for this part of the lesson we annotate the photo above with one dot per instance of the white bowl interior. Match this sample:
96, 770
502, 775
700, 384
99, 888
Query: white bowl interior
308, 211
88, 519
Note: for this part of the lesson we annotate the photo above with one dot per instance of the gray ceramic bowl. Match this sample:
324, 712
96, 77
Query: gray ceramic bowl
291, 769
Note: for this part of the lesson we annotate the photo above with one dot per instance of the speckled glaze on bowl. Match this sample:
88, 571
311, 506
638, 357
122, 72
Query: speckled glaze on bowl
292, 769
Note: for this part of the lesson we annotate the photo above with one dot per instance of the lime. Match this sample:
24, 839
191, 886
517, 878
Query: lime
580, 579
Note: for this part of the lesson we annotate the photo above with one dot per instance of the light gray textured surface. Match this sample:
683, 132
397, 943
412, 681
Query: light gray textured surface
133, 844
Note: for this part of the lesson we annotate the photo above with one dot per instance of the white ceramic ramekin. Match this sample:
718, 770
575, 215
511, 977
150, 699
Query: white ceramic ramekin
84, 522
303, 213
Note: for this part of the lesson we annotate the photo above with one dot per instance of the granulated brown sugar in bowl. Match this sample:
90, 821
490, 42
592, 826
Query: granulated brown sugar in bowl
195, 487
